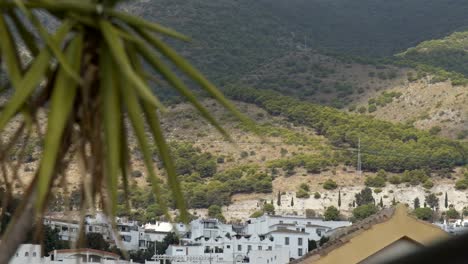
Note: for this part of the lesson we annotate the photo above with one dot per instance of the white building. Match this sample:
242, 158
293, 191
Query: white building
235, 249
314, 227
131, 235
31, 254
209, 228
27, 253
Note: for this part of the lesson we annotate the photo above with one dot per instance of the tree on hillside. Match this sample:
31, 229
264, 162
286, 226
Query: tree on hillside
339, 198
292, 201
364, 211
416, 203
424, 213
91, 74
269, 209
452, 214
381, 202
446, 200
278, 202
215, 211
432, 201
331, 214
364, 197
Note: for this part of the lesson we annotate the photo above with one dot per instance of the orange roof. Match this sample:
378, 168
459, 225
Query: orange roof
85, 250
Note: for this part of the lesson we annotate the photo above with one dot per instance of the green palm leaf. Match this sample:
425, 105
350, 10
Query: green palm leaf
60, 109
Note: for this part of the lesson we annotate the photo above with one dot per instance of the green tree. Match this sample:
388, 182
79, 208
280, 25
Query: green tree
215, 211
446, 200
330, 184
96, 241
312, 244
331, 214
269, 209
424, 213
278, 201
364, 197
432, 201
339, 198
364, 211
416, 204
381, 202
52, 240
452, 213
292, 201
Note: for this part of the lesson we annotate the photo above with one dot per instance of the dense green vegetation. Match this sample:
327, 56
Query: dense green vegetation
331, 214
384, 145
449, 53
313, 163
370, 27
232, 38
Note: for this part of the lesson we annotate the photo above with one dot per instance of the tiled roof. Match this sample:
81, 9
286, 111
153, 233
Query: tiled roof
344, 234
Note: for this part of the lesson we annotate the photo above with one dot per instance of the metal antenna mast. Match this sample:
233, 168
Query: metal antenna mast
359, 165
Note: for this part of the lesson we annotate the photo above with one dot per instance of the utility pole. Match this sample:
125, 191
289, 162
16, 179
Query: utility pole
359, 165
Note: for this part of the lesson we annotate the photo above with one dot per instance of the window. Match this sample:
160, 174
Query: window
259, 247
239, 247
286, 240
270, 248
34, 254
299, 241
26, 254
249, 247
299, 252
207, 249
228, 246
281, 221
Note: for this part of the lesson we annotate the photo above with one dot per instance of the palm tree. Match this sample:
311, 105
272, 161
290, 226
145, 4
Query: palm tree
89, 76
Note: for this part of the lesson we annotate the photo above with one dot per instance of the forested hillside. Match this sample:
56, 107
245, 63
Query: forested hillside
386, 146
449, 53
370, 27
232, 38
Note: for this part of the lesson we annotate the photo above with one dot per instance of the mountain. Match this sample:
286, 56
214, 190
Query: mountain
449, 53
232, 38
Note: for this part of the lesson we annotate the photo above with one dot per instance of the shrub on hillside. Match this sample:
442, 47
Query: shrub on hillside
428, 184
330, 184
301, 193
331, 214
376, 181
317, 195
364, 211
395, 179
452, 214
424, 213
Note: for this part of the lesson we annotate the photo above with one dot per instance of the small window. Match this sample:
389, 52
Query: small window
270, 248
239, 247
34, 254
249, 247
259, 247
286, 240
299, 252
299, 241
281, 221
228, 246
26, 254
